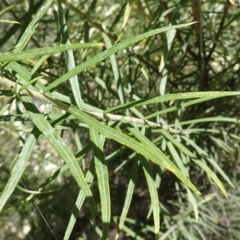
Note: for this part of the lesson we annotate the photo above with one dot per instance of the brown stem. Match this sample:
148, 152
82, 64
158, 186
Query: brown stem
218, 34
178, 35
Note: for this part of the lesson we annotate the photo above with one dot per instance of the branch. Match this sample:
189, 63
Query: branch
99, 115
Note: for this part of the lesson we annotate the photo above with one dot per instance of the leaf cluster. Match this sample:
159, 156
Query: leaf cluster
136, 122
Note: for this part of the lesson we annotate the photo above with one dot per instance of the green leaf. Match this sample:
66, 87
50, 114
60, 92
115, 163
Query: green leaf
59, 172
29, 31
153, 194
163, 160
177, 143
145, 148
18, 168
115, 70
103, 180
173, 97
129, 194
201, 164
70, 61
60, 146
78, 203
29, 54
211, 174
193, 201
209, 119
177, 158
210, 159
107, 53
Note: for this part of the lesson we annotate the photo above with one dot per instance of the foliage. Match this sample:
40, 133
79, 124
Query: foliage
121, 118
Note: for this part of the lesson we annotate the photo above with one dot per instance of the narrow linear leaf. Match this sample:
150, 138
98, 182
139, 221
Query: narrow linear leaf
79, 202
183, 105
116, 71
126, 15
193, 201
221, 144
220, 170
210, 119
60, 146
165, 162
129, 194
180, 146
173, 97
212, 175
29, 31
103, 180
17, 170
144, 149
153, 194
177, 158
59, 172
210, 159
18, 56
199, 163
70, 61
107, 53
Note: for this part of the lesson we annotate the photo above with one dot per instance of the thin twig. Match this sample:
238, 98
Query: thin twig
170, 230
220, 29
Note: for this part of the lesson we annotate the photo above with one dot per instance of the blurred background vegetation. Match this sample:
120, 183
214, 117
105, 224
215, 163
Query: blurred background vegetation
201, 57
